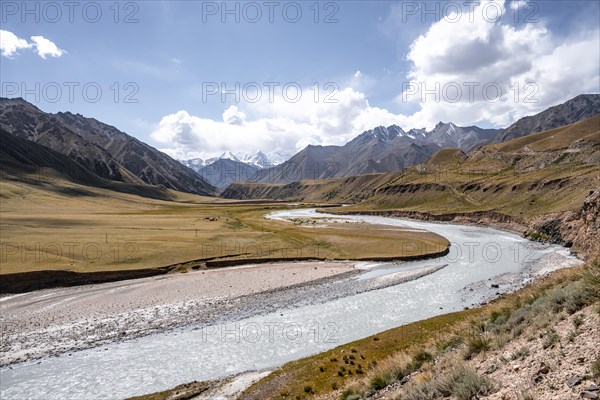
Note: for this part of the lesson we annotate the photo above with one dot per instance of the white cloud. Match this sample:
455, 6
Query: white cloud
529, 66
473, 49
10, 43
516, 4
233, 116
46, 47
280, 126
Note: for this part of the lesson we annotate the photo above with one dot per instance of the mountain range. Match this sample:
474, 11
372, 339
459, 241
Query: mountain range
103, 155
258, 160
228, 168
102, 149
382, 149
577, 109
389, 149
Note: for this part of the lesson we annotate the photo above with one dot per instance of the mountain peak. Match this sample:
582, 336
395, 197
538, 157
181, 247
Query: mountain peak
385, 134
229, 156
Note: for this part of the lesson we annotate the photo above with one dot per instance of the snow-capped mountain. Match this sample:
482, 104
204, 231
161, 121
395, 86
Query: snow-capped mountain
381, 149
279, 156
465, 138
259, 160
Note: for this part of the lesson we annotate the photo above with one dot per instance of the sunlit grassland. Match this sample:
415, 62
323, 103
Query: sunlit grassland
103, 230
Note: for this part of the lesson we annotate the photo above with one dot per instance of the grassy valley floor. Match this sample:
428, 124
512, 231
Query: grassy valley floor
45, 227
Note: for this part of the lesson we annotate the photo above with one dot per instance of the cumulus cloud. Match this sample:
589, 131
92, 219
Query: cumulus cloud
516, 4
504, 72
10, 44
281, 126
490, 71
233, 116
46, 47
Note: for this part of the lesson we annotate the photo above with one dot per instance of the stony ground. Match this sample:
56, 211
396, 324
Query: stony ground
561, 371
56, 321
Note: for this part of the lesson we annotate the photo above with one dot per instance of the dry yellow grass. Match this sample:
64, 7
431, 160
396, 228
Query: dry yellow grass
58, 225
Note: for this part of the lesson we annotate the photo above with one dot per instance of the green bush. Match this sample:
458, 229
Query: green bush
423, 391
520, 354
477, 344
378, 382
473, 386
461, 382
550, 338
350, 394
591, 280
596, 368
578, 321
421, 358
451, 343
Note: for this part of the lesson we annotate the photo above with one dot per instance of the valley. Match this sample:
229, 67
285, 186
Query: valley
100, 230
372, 250
138, 322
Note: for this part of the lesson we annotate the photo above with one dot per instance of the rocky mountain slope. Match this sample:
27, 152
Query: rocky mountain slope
577, 109
378, 150
382, 149
26, 161
224, 171
464, 138
102, 149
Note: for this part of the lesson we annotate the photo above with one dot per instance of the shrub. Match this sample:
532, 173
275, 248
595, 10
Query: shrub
419, 359
451, 343
350, 394
501, 340
378, 382
550, 338
578, 297
578, 321
308, 389
422, 391
473, 386
526, 396
591, 280
477, 344
460, 382
387, 376
521, 354
422, 357
596, 368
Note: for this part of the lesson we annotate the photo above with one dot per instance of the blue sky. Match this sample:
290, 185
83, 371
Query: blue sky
168, 55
